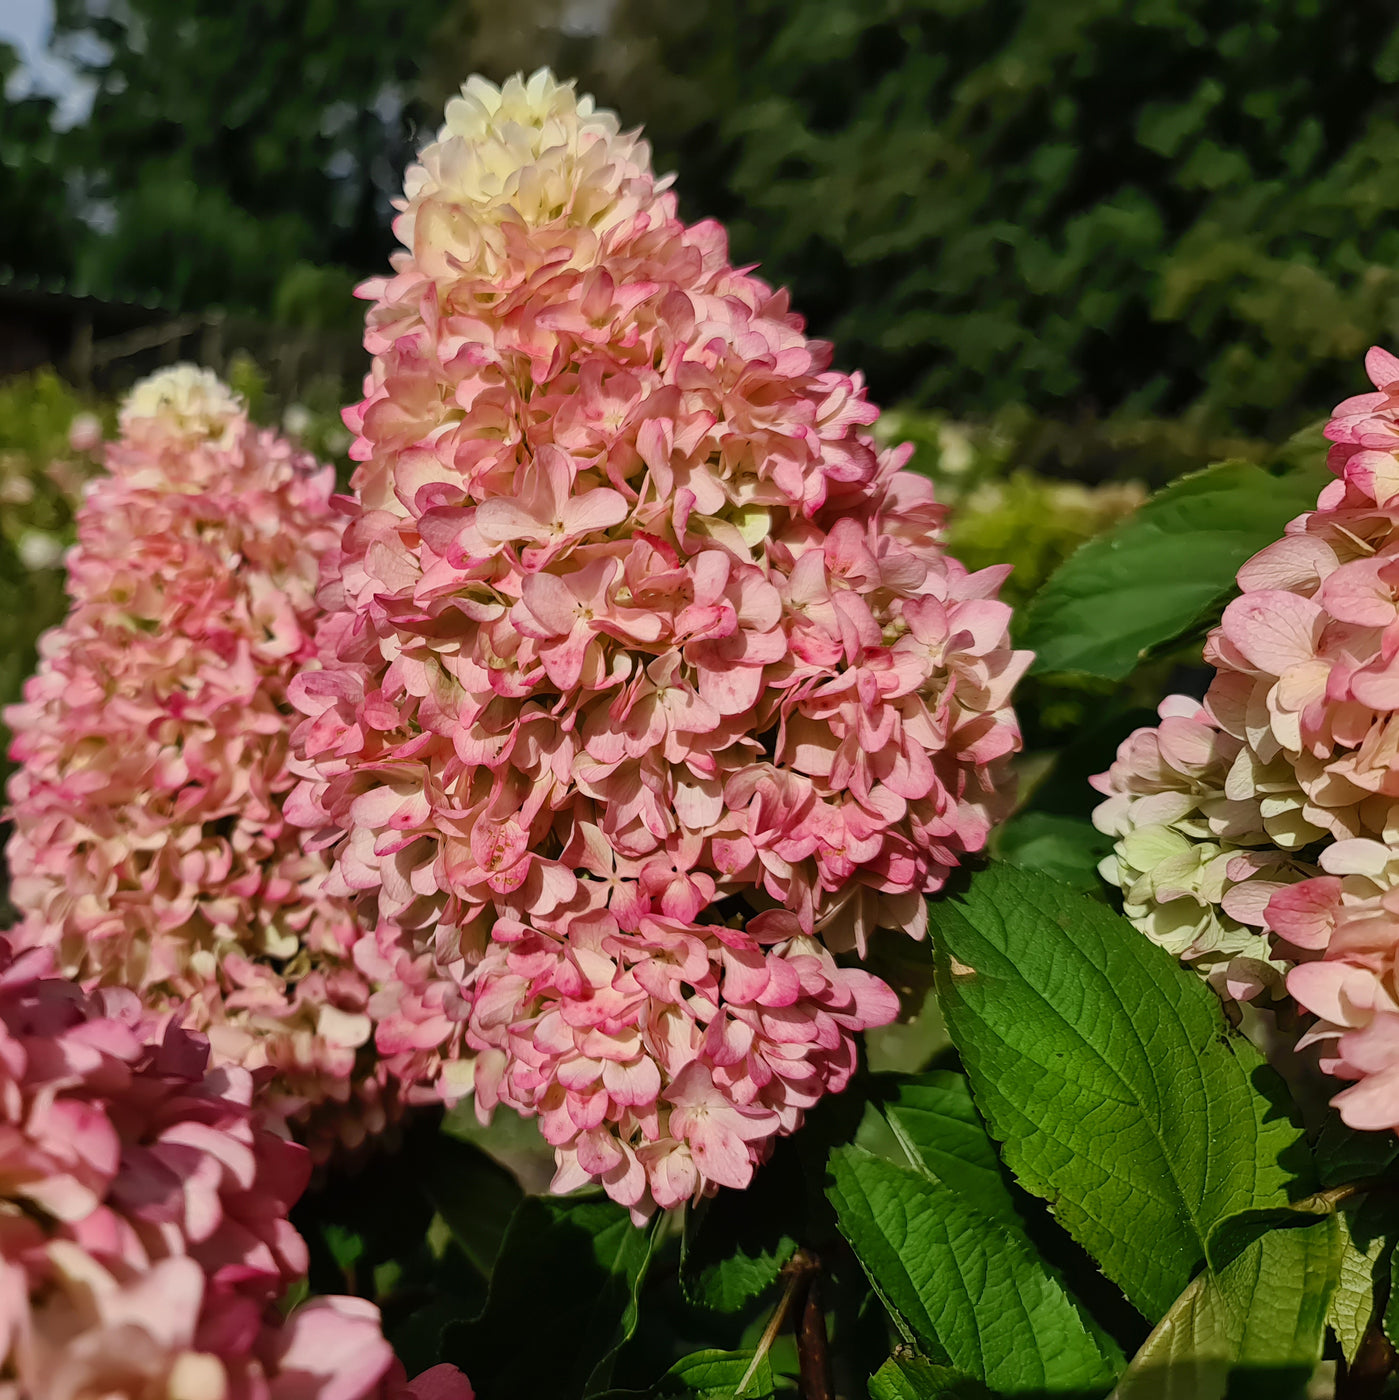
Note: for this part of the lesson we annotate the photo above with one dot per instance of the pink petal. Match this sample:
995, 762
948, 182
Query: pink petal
549, 599
1381, 366
505, 520
594, 510
1274, 631
1305, 914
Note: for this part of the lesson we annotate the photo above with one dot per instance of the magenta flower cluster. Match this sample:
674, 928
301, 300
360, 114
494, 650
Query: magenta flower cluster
149, 846
1286, 784
144, 1242
646, 681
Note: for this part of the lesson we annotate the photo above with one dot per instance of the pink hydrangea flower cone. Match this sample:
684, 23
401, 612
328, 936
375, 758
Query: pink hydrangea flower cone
149, 846
646, 682
1289, 791
144, 1240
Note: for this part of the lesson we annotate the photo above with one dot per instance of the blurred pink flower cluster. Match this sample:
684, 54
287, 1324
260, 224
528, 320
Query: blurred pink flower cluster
149, 847
645, 678
144, 1242
1300, 724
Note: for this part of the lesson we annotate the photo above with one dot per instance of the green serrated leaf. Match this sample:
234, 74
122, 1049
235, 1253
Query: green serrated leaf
717, 1375
580, 1263
908, 1376
1109, 1075
961, 1284
930, 1122
1154, 576
1368, 1229
1068, 848
474, 1194
1345, 1154
1260, 1320
729, 1284
732, 1250
936, 1124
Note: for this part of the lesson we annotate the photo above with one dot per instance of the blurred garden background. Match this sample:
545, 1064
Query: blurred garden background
1078, 247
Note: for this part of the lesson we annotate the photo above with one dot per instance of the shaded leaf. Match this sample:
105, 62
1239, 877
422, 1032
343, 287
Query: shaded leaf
1109, 1075
364, 1214
1345, 1154
474, 1194
1068, 848
715, 1375
911, 1042
961, 1284
1162, 570
734, 1246
1064, 790
373, 1228
1260, 1319
908, 1376
1367, 1237
577, 1262
728, 1284
509, 1139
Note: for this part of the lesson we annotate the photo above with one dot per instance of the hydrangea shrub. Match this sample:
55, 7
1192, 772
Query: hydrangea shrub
572, 763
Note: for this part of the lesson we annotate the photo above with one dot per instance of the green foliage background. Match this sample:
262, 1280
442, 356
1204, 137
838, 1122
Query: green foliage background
1154, 207
1103, 210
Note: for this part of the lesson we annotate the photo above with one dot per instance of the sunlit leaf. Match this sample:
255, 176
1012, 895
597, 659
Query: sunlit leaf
960, 1283
1163, 569
1111, 1080
1262, 1317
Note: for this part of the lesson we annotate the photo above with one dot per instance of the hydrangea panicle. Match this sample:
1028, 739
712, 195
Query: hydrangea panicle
149, 846
144, 1239
1302, 714
646, 681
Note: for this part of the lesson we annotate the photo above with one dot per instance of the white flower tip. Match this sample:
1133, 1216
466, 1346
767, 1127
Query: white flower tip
192, 401
531, 149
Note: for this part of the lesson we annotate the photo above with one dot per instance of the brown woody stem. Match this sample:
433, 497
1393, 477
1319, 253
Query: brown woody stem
1374, 1363
813, 1355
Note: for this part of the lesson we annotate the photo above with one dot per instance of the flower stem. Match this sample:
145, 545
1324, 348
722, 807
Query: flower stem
813, 1356
1365, 1377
